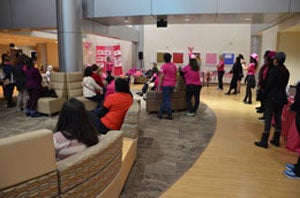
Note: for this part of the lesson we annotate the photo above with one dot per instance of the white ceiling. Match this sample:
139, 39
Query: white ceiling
264, 18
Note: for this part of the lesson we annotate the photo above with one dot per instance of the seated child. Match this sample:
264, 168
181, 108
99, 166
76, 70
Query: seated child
74, 130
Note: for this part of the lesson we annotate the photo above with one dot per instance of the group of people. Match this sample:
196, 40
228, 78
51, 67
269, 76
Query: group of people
165, 80
23, 75
78, 128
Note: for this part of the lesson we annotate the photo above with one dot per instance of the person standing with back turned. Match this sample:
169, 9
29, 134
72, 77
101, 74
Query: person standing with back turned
193, 84
275, 98
167, 82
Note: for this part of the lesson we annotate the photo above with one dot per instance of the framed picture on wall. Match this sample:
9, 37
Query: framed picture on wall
211, 58
177, 57
160, 57
228, 58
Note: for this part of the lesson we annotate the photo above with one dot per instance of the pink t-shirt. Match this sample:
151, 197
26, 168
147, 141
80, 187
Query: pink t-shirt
191, 77
251, 69
220, 66
109, 66
169, 71
110, 89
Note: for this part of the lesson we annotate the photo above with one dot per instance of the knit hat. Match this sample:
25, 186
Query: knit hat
271, 54
280, 57
254, 56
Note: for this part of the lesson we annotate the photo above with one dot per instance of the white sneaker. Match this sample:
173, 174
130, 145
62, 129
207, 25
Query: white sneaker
190, 114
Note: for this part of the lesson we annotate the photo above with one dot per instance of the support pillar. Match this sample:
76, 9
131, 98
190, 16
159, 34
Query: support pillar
69, 15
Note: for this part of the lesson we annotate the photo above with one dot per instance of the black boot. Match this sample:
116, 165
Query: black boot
276, 139
264, 141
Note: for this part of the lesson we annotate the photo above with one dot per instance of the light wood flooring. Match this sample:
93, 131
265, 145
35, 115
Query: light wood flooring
231, 166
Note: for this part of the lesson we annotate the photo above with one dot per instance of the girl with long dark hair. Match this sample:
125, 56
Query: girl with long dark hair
74, 130
193, 85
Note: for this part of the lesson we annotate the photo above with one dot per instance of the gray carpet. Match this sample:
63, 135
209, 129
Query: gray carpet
166, 148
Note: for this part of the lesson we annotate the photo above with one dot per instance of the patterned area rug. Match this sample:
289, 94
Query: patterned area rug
166, 148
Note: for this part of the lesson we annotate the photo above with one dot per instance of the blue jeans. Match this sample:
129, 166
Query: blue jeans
166, 103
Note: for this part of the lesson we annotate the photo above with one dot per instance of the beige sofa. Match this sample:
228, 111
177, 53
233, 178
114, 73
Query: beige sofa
49, 105
154, 98
29, 169
74, 89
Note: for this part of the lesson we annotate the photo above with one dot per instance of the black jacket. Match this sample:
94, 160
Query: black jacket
296, 107
276, 82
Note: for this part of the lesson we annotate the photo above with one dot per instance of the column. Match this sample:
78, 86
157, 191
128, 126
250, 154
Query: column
69, 15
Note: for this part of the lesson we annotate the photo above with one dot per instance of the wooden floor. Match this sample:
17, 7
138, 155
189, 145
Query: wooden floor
232, 166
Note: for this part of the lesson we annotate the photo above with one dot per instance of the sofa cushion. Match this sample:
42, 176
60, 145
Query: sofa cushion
154, 100
87, 173
49, 105
58, 77
26, 156
74, 93
74, 77
89, 104
74, 85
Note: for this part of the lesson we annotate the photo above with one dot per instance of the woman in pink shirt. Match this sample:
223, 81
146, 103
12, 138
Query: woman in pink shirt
167, 82
250, 78
193, 85
221, 71
109, 66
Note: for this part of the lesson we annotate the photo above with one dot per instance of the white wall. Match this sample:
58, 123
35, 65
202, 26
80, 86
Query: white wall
205, 37
285, 37
288, 42
126, 49
269, 39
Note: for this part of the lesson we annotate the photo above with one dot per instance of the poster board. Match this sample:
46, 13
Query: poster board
211, 58
228, 58
178, 57
115, 54
160, 57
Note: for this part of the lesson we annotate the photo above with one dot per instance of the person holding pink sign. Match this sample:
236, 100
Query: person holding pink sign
109, 66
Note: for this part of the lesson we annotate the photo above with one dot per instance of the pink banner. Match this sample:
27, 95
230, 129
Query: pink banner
112, 53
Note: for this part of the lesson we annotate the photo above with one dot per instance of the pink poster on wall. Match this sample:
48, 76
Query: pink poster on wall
112, 53
211, 58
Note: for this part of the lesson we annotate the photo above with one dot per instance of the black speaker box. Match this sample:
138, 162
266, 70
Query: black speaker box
162, 23
141, 55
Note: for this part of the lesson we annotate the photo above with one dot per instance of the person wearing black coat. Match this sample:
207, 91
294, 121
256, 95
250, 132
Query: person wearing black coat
236, 71
293, 170
275, 98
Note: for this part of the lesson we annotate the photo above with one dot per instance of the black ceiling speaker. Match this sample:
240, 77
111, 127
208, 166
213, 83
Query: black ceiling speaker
162, 23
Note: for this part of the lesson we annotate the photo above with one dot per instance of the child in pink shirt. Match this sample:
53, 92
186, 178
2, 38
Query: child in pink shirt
110, 88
